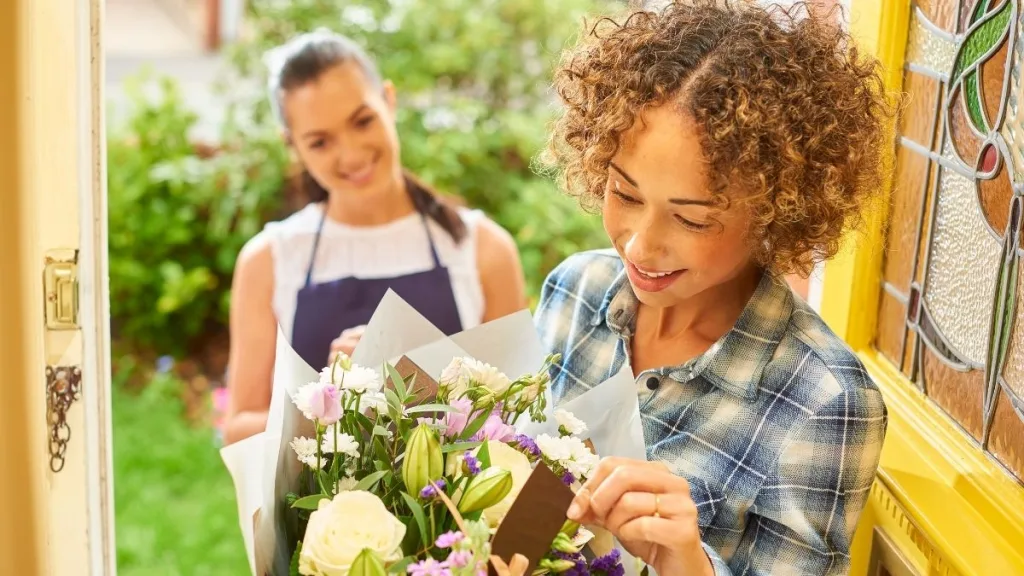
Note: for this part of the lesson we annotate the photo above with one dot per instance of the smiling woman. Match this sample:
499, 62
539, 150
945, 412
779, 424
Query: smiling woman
370, 226
725, 145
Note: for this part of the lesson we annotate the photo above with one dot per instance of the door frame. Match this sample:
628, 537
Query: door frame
63, 523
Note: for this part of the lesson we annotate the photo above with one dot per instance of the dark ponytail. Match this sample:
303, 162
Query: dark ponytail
424, 199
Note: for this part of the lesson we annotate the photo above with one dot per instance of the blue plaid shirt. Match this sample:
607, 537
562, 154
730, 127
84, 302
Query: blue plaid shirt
777, 427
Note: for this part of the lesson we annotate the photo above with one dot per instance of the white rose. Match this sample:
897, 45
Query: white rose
342, 527
570, 422
507, 458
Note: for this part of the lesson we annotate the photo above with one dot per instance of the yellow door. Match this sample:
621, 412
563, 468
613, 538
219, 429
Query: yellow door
55, 492
934, 301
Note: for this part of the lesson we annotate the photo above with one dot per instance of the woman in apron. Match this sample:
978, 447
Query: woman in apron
370, 226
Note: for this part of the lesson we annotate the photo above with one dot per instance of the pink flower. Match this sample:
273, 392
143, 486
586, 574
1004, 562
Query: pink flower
429, 567
459, 558
496, 429
449, 539
325, 404
455, 422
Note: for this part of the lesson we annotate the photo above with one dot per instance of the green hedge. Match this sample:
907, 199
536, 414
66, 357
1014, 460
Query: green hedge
475, 101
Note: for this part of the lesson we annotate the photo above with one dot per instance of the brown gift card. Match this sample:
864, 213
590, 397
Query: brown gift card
423, 388
534, 519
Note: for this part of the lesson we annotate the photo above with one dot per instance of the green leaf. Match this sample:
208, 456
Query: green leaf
395, 405
397, 379
379, 430
293, 568
400, 566
474, 426
431, 408
421, 518
311, 502
371, 479
459, 447
484, 456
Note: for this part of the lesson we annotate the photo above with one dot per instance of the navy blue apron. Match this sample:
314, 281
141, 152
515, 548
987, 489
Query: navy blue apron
324, 311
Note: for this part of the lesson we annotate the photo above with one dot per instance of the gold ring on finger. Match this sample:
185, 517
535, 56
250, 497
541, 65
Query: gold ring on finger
657, 505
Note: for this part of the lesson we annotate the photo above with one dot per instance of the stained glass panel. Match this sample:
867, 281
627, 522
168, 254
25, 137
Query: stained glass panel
951, 313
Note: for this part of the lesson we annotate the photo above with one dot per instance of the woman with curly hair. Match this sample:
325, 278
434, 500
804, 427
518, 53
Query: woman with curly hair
726, 146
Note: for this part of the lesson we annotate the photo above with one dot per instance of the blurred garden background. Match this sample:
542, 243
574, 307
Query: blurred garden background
197, 167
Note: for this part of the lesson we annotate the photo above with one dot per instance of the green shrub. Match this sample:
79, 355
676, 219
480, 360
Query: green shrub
475, 99
178, 218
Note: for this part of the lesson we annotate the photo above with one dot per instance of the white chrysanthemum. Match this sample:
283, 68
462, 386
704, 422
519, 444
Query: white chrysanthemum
346, 444
461, 373
347, 483
568, 452
305, 450
376, 401
570, 422
357, 378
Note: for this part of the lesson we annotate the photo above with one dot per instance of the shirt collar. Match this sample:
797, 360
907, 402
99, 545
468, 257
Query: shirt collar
736, 362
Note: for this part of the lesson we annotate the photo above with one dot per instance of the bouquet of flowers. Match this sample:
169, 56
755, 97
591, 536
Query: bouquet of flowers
393, 486
420, 455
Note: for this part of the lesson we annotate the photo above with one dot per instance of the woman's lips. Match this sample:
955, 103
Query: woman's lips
651, 280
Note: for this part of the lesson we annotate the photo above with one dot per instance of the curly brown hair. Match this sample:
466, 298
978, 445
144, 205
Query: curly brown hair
791, 115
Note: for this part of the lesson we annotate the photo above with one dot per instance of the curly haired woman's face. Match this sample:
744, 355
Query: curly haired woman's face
660, 214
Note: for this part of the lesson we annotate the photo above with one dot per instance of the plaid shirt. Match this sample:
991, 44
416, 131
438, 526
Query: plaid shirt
777, 427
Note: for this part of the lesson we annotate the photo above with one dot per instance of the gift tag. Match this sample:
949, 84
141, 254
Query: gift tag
423, 388
534, 519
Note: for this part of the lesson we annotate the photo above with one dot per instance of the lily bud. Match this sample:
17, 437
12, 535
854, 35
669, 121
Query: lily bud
562, 543
570, 528
423, 459
485, 490
367, 563
556, 566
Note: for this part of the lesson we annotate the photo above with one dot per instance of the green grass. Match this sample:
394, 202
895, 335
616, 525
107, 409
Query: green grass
175, 502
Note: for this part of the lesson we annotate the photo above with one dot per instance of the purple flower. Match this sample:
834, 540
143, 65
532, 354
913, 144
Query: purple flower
568, 479
470, 464
429, 567
449, 539
459, 558
495, 429
608, 565
580, 569
527, 445
430, 490
455, 422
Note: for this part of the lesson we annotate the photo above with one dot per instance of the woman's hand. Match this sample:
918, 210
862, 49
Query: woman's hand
346, 343
650, 511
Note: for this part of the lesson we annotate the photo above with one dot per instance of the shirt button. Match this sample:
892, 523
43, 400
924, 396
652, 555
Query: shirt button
653, 383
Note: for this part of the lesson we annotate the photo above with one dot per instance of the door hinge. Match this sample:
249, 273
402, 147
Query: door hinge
60, 285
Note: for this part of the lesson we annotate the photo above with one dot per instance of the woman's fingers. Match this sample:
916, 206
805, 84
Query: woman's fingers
671, 534
636, 479
618, 471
